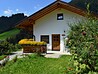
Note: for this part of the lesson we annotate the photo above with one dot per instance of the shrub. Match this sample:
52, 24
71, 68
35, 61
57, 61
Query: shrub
83, 40
18, 47
7, 48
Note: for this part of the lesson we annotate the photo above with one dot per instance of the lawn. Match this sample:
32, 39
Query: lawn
39, 65
2, 57
10, 33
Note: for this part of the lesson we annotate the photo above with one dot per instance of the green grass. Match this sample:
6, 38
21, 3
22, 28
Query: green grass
10, 33
38, 65
2, 57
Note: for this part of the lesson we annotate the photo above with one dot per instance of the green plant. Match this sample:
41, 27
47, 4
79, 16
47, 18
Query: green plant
18, 47
7, 48
83, 42
4, 47
15, 58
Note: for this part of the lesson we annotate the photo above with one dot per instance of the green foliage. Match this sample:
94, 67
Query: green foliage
83, 42
18, 46
39, 65
5, 47
13, 36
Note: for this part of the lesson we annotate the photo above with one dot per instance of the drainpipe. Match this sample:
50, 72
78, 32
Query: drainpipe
34, 37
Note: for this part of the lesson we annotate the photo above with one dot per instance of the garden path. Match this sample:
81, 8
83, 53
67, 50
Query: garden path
52, 54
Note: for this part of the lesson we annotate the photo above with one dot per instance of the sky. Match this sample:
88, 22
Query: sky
28, 7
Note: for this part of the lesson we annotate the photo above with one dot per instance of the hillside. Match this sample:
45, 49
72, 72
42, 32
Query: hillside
7, 23
83, 4
8, 34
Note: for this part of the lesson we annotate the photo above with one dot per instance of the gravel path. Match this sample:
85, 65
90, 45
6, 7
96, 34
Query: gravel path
17, 53
20, 54
53, 55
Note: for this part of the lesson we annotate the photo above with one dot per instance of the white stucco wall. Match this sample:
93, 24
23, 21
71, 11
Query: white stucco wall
49, 25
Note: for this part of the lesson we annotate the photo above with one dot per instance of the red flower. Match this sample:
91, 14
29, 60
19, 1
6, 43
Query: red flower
84, 33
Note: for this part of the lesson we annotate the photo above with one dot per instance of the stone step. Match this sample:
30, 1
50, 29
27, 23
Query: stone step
52, 55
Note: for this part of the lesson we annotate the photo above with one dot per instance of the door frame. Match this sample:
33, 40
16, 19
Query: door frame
52, 42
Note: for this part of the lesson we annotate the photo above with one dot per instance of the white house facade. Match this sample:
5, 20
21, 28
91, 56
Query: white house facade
51, 24
53, 29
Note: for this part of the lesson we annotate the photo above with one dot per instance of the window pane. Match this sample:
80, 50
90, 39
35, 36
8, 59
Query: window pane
60, 16
45, 38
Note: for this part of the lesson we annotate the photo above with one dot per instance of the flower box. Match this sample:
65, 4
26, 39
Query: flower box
34, 48
30, 46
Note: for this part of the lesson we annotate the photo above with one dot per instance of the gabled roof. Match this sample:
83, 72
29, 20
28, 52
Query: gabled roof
29, 21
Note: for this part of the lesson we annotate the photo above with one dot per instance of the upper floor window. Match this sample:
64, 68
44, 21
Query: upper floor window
60, 16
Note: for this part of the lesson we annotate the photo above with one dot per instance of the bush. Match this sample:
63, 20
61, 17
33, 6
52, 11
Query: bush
83, 42
7, 48
18, 47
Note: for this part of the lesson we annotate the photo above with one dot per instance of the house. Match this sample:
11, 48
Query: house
50, 24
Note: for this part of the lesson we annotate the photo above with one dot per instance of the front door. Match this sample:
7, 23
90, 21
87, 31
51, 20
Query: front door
56, 42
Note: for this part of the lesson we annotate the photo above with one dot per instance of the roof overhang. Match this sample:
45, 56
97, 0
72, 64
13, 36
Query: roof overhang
29, 21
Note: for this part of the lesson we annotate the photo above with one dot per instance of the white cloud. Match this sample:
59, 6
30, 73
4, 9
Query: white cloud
26, 14
17, 10
8, 12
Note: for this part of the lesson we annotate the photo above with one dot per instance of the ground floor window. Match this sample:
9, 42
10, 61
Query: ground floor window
45, 38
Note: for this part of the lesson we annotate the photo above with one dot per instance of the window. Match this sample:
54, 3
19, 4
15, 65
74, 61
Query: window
60, 16
45, 38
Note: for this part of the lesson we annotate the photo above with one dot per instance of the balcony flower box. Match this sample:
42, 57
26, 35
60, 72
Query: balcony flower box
31, 46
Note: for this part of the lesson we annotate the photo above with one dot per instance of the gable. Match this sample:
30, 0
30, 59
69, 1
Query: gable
52, 16
28, 22
49, 22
